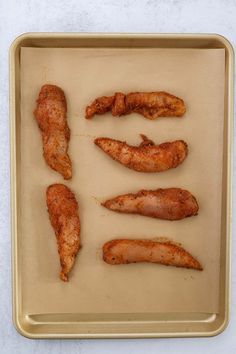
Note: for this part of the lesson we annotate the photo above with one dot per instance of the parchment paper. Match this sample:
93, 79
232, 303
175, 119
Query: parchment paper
197, 76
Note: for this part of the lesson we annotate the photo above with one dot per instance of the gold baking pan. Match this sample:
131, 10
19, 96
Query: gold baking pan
129, 301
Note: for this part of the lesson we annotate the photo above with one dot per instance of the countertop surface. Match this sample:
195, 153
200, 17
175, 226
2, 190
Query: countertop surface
162, 16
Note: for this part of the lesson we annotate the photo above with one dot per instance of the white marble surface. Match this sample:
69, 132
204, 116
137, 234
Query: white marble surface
17, 17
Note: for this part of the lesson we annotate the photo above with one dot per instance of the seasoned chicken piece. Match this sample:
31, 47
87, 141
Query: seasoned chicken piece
169, 203
64, 217
100, 106
132, 251
51, 117
147, 157
155, 104
149, 104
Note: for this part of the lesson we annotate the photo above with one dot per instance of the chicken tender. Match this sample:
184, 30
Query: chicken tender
149, 104
132, 251
147, 157
51, 117
64, 217
168, 204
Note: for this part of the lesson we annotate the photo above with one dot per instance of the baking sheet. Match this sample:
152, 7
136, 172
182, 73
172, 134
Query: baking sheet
197, 75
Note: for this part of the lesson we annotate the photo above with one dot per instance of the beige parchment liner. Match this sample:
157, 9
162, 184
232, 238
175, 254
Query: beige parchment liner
196, 75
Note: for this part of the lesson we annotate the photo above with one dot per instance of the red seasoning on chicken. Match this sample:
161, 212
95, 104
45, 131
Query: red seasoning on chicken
168, 204
124, 251
149, 104
64, 216
147, 157
51, 117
